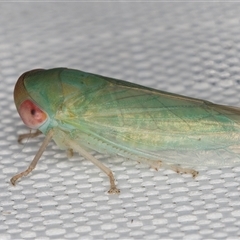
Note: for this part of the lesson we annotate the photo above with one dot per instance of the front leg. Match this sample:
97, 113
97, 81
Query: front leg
21, 137
35, 160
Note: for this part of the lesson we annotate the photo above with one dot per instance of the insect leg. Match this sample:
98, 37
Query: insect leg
73, 145
157, 164
21, 137
151, 163
179, 169
35, 160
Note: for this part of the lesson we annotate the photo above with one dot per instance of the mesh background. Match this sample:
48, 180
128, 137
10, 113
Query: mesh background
186, 48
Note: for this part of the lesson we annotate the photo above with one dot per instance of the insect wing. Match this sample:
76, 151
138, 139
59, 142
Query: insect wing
135, 121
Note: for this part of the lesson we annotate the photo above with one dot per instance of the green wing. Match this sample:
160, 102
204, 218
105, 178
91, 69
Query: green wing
117, 115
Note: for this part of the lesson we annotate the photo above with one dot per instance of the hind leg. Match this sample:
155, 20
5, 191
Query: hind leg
156, 164
179, 169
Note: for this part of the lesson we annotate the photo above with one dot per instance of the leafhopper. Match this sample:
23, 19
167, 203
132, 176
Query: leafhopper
83, 111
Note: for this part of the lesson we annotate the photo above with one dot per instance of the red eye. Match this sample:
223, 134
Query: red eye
31, 114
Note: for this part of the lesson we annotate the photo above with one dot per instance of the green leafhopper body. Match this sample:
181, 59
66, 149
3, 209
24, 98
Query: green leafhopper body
83, 111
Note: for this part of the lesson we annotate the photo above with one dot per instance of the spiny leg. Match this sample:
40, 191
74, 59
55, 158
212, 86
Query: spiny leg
21, 137
180, 170
156, 164
35, 160
72, 145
